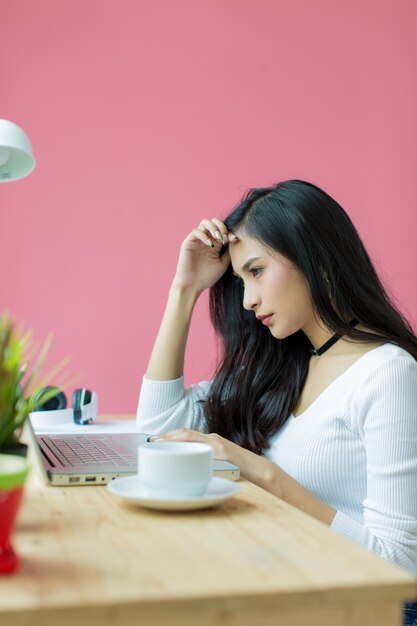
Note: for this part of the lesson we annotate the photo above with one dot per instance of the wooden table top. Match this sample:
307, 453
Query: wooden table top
84, 553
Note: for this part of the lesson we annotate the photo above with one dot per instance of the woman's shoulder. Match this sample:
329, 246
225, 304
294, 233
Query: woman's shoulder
386, 368
387, 353
392, 349
384, 390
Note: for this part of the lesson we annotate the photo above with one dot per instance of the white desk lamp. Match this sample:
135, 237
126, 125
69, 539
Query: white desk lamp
16, 156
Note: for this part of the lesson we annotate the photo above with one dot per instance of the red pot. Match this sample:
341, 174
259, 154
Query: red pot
13, 473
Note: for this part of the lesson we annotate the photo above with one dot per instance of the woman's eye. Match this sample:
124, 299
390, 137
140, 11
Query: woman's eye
255, 271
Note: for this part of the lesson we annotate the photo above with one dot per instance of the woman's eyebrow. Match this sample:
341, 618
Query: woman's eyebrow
249, 262
246, 265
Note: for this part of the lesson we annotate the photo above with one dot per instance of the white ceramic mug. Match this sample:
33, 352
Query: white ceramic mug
175, 468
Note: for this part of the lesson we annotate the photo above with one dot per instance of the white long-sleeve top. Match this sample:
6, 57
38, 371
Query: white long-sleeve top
355, 447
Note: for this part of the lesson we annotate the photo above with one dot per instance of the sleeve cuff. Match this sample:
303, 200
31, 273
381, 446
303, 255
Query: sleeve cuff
345, 525
156, 396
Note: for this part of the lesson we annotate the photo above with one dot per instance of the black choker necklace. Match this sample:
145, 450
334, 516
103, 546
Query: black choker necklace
331, 341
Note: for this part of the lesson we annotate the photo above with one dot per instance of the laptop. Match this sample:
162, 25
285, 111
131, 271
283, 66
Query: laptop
72, 459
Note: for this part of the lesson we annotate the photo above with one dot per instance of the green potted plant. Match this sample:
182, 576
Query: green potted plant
22, 386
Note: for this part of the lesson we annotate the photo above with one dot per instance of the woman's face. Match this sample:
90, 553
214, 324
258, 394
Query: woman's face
274, 288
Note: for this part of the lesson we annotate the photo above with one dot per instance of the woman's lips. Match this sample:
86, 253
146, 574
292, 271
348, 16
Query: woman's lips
265, 319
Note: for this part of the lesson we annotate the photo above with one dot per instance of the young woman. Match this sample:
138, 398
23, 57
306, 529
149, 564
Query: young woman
315, 398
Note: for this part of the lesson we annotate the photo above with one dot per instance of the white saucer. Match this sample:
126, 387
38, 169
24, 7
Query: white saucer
130, 489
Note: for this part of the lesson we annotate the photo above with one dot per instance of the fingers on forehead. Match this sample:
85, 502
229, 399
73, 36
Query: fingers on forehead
220, 225
206, 225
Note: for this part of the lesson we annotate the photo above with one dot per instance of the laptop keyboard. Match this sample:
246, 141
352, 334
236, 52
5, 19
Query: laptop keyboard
88, 451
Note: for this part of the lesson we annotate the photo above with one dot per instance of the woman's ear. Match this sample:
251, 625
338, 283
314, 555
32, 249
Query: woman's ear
328, 284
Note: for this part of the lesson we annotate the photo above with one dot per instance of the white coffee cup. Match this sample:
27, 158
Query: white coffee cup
175, 468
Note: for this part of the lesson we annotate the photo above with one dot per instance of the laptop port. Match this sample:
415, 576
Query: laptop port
90, 479
74, 479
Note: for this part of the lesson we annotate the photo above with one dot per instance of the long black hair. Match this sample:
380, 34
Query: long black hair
260, 378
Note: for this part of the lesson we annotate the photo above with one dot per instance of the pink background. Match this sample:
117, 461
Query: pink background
147, 116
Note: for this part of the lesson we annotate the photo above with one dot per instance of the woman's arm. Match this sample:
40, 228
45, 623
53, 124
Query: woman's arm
166, 405
200, 265
167, 358
272, 478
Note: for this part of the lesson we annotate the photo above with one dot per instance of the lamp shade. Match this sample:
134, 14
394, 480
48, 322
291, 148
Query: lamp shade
16, 156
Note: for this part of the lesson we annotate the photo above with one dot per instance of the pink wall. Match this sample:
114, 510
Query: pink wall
147, 116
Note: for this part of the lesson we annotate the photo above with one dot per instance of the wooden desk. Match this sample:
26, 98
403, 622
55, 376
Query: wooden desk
87, 558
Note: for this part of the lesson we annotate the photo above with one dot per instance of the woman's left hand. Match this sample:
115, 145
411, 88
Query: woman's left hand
224, 450
253, 467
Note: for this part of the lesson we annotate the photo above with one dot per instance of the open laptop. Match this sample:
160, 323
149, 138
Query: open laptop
69, 459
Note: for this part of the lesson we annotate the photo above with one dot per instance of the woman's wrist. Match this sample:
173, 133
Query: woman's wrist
188, 293
257, 469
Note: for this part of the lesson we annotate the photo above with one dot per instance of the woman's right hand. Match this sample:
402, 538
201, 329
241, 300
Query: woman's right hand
200, 264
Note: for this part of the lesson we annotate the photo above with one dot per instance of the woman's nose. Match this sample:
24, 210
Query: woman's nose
250, 299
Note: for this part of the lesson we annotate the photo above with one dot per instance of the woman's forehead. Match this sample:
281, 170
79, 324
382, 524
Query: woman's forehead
250, 249
244, 248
